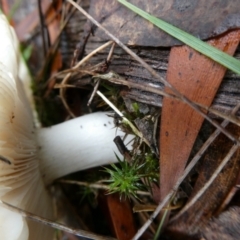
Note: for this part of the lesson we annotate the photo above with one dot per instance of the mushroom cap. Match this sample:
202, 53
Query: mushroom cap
20, 181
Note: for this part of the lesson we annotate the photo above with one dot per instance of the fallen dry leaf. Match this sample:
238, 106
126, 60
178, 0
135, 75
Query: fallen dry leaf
120, 216
198, 78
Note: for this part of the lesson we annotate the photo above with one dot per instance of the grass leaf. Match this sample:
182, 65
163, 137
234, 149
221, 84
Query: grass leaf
197, 44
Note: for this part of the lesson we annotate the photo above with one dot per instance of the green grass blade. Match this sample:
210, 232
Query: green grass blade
197, 44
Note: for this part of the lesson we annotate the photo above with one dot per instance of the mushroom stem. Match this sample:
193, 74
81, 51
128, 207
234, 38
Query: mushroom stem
78, 144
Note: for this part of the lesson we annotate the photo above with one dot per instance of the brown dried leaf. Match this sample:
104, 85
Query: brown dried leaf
120, 216
198, 78
202, 19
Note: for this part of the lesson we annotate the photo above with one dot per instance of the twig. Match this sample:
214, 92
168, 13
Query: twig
66, 78
155, 74
99, 81
57, 85
33, 217
85, 59
75, 68
144, 216
93, 92
92, 54
124, 119
109, 57
98, 186
229, 196
43, 26
62, 92
54, 46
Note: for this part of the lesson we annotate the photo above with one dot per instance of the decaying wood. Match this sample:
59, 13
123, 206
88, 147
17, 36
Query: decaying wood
227, 96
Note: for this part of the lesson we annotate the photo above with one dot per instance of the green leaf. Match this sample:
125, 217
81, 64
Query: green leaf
197, 44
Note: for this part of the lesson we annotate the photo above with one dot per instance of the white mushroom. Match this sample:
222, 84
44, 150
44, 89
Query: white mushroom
31, 158
20, 181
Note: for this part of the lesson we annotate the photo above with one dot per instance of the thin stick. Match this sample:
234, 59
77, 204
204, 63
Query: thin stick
93, 92
155, 74
43, 26
62, 95
75, 68
33, 217
99, 80
97, 186
92, 54
124, 119
66, 78
109, 57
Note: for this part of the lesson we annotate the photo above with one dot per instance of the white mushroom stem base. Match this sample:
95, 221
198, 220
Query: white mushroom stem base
78, 144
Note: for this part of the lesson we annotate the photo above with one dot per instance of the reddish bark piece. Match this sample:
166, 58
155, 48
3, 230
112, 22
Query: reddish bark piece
120, 216
198, 78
